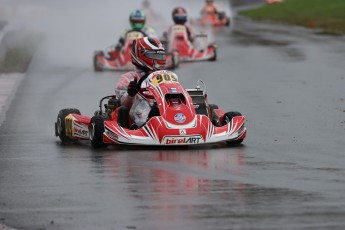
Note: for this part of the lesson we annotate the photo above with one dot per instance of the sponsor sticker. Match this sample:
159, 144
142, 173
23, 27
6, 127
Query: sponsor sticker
173, 90
134, 35
180, 117
179, 28
163, 78
182, 140
183, 132
112, 135
81, 132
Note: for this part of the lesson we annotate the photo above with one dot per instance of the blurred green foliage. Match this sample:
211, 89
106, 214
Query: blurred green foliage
328, 15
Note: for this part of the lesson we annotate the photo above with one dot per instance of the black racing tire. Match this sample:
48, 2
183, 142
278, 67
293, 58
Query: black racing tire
213, 107
214, 58
234, 142
176, 59
227, 22
96, 67
60, 126
96, 131
221, 15
226, 119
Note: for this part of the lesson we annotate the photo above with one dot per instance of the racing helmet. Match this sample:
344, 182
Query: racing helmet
137, 19
148, 54
179, 15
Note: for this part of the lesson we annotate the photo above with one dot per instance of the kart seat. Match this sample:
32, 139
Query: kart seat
175, 99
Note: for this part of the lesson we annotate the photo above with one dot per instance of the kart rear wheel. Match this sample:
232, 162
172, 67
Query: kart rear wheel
175, 59
211, 108
226, 119
60, 126
96, 67
227, 22
96, 131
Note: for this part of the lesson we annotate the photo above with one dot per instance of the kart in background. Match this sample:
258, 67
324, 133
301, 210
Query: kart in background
199, 50
122, 61
273, 1
214, 20
177, 116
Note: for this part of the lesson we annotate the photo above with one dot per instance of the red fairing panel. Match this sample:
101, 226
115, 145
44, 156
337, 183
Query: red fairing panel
213, 20
122, 62
178, 41
157, 131
77, 126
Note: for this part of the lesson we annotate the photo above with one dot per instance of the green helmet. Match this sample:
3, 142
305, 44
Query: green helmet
137, 19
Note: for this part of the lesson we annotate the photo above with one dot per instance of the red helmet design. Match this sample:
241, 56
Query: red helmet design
179, 15
148, 53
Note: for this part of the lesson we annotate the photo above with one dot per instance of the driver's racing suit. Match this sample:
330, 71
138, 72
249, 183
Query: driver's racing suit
188, 36
190, 32
139, 108
209, 9
122, 87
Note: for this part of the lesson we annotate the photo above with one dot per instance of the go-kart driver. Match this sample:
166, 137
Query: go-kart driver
148, 55
179, 16
210, 8
137, 21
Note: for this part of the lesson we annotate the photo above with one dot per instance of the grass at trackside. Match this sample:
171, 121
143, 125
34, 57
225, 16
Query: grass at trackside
328, 15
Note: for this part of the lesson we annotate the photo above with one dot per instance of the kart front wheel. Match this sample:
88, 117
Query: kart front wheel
226, 119
60, 125
96, 131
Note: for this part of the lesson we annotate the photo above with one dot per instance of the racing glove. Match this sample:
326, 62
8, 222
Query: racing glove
132, 88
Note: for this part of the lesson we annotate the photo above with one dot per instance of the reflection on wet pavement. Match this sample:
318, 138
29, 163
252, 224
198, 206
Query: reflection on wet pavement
246, 34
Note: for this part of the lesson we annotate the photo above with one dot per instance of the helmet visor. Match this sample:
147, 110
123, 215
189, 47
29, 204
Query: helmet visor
155, 55
180, 17
137, 26
138, 20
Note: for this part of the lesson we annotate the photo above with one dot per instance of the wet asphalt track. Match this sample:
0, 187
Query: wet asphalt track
288, 174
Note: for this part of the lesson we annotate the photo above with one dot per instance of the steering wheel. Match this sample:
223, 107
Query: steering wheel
141, 80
